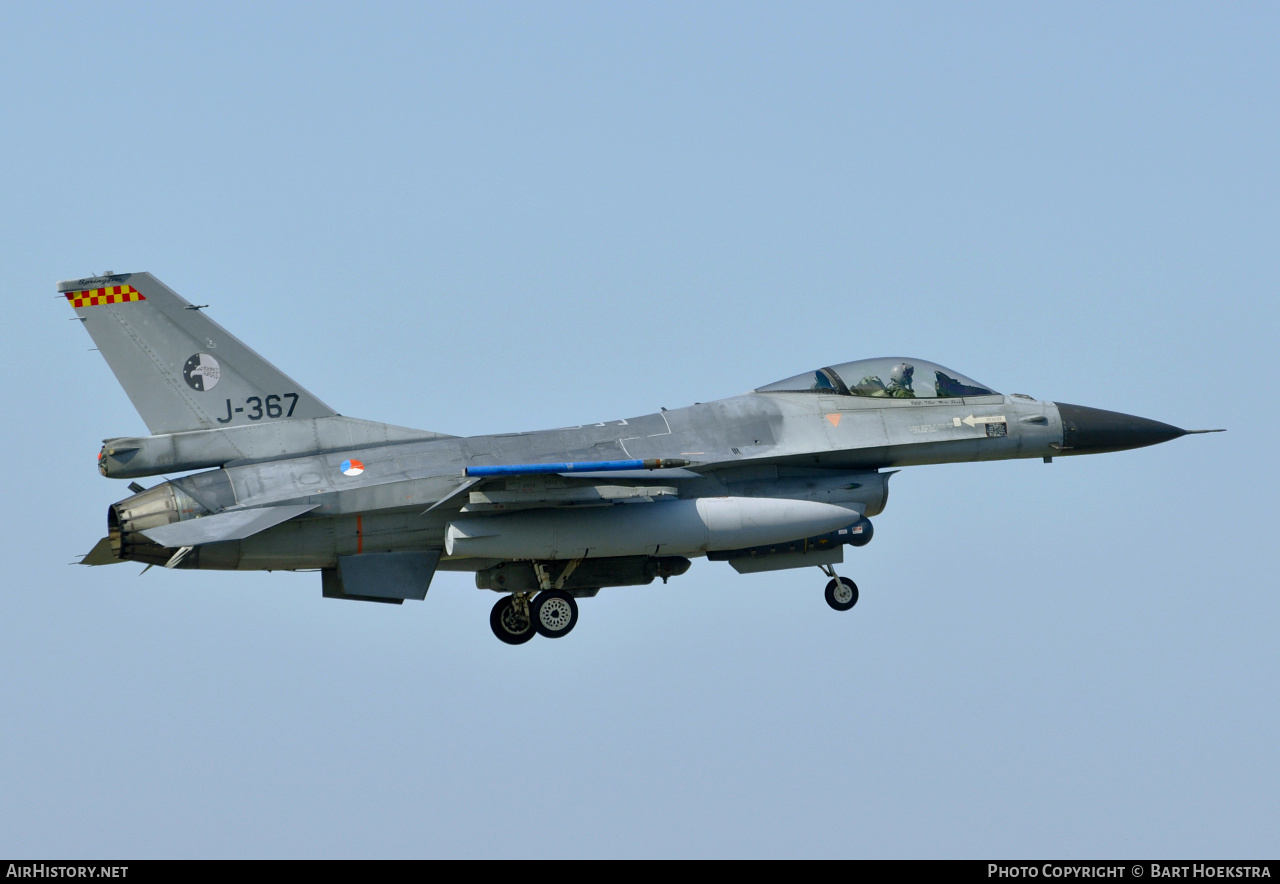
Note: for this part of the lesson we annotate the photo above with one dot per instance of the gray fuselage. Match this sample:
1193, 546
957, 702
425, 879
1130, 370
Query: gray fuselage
761, 445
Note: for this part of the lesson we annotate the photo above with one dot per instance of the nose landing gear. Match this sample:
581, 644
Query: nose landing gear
842, 593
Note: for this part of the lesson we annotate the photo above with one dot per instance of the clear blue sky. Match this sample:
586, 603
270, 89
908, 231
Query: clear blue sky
482, 218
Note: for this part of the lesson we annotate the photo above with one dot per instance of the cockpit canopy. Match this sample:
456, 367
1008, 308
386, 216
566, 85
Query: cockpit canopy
884, 378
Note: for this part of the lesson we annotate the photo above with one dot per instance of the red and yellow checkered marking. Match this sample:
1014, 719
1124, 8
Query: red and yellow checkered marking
112, 294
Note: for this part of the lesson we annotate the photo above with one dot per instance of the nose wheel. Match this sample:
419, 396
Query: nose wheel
842, 593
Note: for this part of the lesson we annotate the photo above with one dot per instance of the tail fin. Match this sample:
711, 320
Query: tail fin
181, 369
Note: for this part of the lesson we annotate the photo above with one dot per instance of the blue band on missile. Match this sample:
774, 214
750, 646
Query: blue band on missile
536, 469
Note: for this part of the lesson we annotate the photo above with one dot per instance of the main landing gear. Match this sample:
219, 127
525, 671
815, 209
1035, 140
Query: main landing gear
515, 619
510, 619
551, 613
842, 593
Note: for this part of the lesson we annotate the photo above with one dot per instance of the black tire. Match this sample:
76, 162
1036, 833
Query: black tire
842, 593
504, 623
554, 613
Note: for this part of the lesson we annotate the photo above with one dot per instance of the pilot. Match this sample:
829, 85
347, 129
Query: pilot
871, 385
899, 386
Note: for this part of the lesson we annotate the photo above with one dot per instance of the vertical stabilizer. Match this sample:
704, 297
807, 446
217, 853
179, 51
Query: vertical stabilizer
181, 369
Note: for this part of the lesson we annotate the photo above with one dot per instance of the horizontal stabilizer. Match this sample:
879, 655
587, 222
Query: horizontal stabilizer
101, 554
230, 525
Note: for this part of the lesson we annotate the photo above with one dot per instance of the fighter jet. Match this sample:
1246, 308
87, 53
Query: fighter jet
785, 476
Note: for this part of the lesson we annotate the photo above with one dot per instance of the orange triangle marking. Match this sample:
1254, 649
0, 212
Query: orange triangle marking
834, 418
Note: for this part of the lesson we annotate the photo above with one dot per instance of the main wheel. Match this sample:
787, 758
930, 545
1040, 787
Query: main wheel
842, 593
554, 613
508, 625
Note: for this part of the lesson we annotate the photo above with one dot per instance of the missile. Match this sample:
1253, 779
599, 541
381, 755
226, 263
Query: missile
679, 527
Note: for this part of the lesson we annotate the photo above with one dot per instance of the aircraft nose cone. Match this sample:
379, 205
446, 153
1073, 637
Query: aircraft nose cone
1093, 431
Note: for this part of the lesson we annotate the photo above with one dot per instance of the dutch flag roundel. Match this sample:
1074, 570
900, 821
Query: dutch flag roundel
351, 467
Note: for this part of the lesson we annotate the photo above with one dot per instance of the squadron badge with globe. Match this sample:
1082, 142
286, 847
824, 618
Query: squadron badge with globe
201, 372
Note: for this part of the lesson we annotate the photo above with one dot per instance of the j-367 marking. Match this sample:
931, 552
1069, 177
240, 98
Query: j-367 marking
271, 407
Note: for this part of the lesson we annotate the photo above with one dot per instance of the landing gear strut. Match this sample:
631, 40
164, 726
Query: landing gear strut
842, 593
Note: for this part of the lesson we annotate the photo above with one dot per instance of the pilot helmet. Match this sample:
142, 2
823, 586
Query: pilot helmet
902, 372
